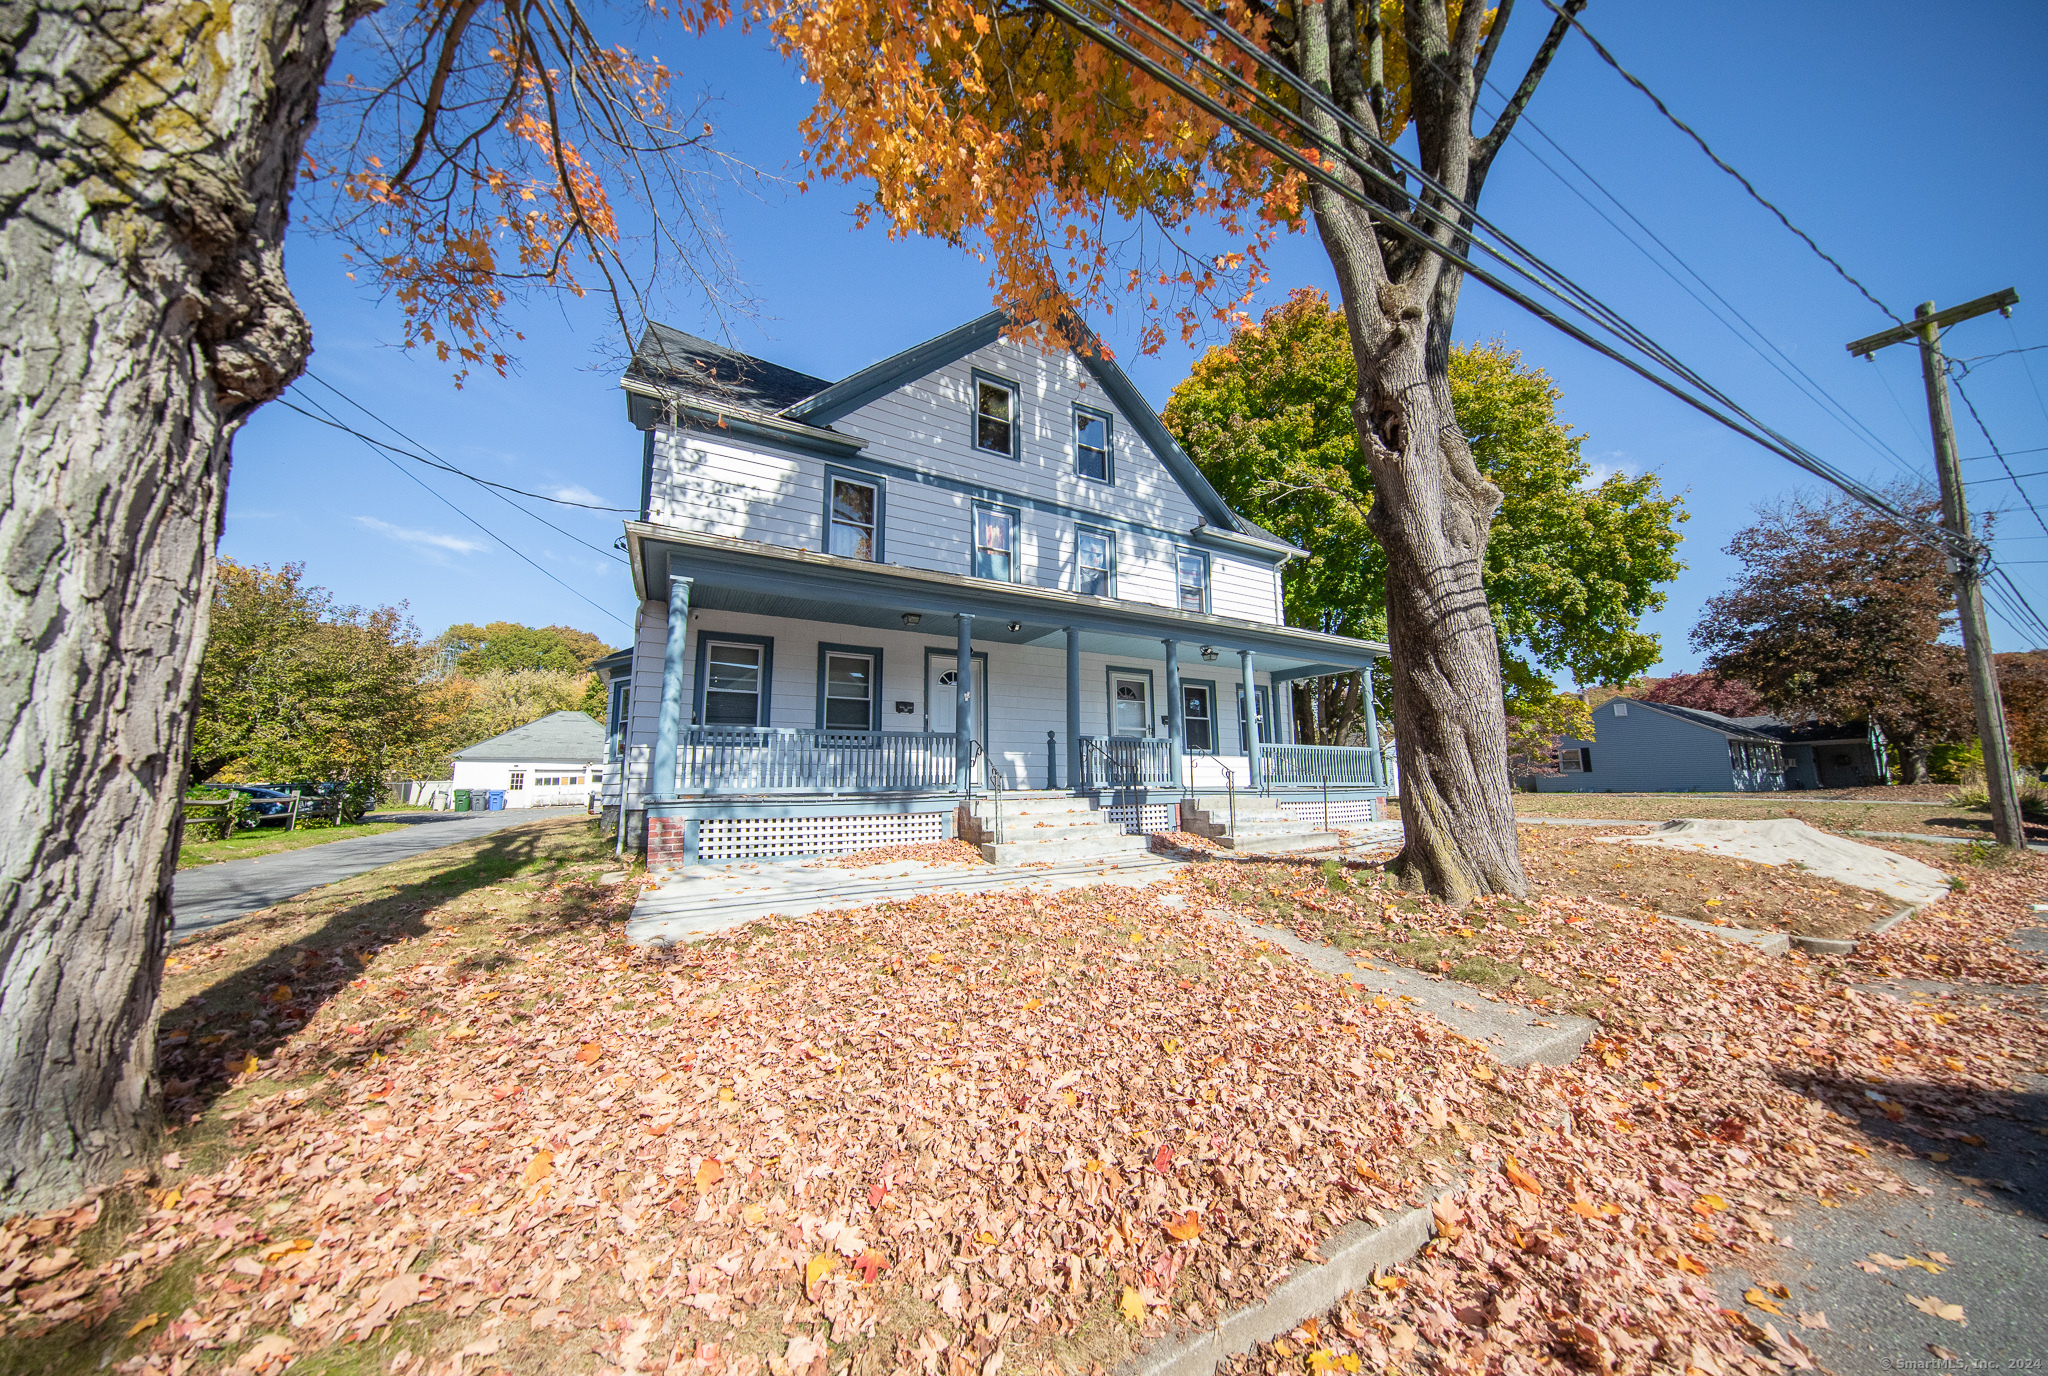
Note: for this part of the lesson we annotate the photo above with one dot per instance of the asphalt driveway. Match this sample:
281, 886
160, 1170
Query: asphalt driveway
213, 894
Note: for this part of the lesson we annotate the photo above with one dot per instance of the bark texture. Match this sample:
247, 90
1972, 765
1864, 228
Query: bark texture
147, 153
1433, 508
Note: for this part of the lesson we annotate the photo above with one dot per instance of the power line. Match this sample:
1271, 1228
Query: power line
378, 450
2028, 366
1560, 286
1804, 382
2037, 449
1756, 195
1992, 444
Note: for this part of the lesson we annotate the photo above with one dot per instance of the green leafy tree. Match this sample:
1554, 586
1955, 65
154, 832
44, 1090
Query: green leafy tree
296, 687
1843, 613
1572, 565
509, 646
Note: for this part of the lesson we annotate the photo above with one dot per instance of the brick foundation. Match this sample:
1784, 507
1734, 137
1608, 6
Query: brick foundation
665, 840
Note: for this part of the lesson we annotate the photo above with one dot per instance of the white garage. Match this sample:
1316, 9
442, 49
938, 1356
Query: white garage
554, 762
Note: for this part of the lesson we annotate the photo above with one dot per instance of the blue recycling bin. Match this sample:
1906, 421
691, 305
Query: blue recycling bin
497, 800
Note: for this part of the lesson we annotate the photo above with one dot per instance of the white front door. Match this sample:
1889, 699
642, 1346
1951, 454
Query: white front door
1130, 705
942, 694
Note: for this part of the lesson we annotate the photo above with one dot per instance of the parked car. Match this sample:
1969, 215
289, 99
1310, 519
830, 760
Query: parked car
266, 804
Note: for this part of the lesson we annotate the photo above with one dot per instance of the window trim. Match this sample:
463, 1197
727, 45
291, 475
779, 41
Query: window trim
1108, 420
1215, 736
515, 781
1181, 552
974, 540
618, 716
826, 649
1110, 674
765, 710
834, 473
1083, 528
976, 378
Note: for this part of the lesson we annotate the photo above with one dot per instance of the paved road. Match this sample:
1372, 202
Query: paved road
1984, 1209
212, 894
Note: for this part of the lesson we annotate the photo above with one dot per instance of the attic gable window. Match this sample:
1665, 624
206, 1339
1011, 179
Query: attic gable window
995, 417
1091, 445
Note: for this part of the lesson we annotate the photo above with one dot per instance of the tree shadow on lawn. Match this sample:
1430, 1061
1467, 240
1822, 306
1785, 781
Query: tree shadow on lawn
281, 967
1989, 1137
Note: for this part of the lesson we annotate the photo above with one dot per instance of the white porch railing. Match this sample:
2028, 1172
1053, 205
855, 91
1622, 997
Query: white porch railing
1125, 762
746, 759
1312, 766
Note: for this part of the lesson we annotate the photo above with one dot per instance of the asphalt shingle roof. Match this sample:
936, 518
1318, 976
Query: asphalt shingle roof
559, 736
716, 373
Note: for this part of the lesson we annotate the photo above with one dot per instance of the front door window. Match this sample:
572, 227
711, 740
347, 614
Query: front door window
1199, 715
1130, 707
942, 693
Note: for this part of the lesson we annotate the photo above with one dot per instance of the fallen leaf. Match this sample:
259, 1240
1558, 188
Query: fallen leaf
589, 1052
1185, 1227
819, 1267
1930, 1305
1520, 1178
1132, 1308
1762, 1301
709, 1172
1817, 1319
1707, 1205
538, 1169
147, 1321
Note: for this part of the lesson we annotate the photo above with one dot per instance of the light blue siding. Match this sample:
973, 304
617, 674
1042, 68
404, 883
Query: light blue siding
1647, 751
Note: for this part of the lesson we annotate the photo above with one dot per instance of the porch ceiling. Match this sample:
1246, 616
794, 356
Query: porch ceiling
764, 580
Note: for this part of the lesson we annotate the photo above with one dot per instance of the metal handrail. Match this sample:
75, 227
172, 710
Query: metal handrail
1230, 792
997, 781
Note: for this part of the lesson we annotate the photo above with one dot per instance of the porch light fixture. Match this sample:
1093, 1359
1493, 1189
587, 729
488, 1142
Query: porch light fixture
1016, 626
1209, 653
911, 619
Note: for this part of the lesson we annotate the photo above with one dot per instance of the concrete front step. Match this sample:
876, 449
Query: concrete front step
1262, 825
1104, 841
1252, 843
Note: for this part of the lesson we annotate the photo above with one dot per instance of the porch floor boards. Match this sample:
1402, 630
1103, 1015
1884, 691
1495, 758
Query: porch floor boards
698, 901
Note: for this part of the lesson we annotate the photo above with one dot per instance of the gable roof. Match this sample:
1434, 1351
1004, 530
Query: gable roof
1764, 728
804, 405
563, 736
702, 368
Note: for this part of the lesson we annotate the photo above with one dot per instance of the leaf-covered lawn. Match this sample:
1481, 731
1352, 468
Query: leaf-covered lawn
1936, 816
965, 1135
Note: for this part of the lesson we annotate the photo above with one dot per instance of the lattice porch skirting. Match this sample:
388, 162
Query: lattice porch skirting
747, 831
1344, 812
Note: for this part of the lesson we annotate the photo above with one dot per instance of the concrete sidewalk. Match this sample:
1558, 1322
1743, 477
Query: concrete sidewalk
209, 895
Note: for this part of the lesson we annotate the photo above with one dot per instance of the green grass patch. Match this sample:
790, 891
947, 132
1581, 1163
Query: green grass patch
244, 845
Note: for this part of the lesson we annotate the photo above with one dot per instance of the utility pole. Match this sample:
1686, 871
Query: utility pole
1966, 557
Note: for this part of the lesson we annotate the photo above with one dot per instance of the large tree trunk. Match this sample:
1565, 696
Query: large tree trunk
1432, 508
149, 151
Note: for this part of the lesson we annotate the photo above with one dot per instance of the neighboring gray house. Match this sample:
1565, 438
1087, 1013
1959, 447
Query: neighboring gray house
1653, 747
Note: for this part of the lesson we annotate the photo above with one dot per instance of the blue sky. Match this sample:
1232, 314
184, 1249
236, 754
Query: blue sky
1895, 135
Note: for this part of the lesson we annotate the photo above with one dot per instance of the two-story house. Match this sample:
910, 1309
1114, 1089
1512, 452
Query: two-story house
816, 562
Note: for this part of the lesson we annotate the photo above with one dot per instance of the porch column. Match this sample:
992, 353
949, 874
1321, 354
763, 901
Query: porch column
668, 732
1372, 728
1073, 707
1251, 718
963, 704
1176, 731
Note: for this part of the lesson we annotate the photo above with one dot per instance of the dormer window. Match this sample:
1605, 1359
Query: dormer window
1192, 581
854, 519
1091, 444
995, 417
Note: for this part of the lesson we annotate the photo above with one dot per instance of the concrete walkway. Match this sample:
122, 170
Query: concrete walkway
209, 895
696, 901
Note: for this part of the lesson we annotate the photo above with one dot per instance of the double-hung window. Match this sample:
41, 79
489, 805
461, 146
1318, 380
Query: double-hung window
1091, 445
995, 417
1191, 581
995, 543
732, 685
854, 519
849, 692
1094, 562
615, 718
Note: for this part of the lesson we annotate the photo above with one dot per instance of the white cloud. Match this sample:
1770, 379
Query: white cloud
1604, 468
573, 493
426, 539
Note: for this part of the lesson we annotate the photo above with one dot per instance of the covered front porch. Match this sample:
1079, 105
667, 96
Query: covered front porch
795, 687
